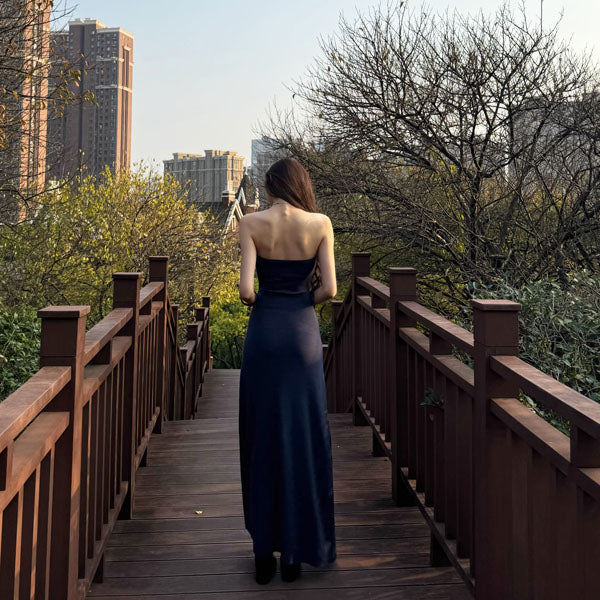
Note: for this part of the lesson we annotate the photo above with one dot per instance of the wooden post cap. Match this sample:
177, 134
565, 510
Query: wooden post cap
63, 312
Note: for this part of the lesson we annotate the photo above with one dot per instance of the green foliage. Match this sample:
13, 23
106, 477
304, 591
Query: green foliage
559, 331
228, 323
84, 233
19, 347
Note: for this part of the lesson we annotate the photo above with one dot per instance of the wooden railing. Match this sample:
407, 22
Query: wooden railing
73, 436
511, 501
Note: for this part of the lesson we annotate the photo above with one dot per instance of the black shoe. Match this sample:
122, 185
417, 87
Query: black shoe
289, 571
265, 568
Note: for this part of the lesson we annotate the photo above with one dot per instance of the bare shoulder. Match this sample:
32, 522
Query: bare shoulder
323, 220
249, 219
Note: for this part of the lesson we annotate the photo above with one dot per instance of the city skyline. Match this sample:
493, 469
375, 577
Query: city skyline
205, 75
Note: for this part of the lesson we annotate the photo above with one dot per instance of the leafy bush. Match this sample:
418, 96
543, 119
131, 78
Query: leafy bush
19, 347
82, 234
228, 324
559, 330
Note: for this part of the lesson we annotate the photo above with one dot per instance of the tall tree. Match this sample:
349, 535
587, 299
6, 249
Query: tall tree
467, 142
30, 93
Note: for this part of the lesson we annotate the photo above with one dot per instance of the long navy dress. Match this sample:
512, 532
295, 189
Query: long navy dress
285, 440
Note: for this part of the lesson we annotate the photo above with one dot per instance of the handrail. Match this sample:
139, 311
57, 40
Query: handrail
511, 500
374, 287
567, 402
148, 292
99, 335
73, 436
22, 406
441, 326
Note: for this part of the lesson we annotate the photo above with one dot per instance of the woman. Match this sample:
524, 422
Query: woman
285, 441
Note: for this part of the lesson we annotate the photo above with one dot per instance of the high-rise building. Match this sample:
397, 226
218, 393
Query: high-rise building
34, 93
206, 176
94, 134
24, 42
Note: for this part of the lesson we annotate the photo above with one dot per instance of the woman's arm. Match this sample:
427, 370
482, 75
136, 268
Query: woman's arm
328, 287
248, 263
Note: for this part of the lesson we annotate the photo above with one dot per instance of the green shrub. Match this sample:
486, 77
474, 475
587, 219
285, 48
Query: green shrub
19, 347
559, 331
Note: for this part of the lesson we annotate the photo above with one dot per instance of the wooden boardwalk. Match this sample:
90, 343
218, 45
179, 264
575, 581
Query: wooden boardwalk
168, 551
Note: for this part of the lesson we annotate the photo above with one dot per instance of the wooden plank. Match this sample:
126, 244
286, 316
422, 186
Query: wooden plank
236, 582
374, 517
446, 592
167, 550
415, 557
412, 528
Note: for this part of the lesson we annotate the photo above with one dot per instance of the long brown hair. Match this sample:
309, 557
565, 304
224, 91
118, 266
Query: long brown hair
289, 180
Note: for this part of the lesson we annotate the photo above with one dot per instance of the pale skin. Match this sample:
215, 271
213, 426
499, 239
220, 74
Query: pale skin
286, 232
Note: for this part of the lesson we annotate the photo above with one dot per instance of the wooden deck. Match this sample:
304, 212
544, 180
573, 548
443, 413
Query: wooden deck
168, 551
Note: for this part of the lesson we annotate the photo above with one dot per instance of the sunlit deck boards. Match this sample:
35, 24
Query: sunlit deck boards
169, 552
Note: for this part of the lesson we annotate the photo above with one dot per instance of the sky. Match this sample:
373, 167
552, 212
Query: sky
205, 72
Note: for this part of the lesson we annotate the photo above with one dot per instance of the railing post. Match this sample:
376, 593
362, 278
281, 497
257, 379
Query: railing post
360, 268
336, 401
206, 304
403, 286
496, 332
62, 344
185, 412
159, 271
192, 335
201, 314
202, 318
174, 373
126, 294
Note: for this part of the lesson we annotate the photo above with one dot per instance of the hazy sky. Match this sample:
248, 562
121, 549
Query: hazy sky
205, 71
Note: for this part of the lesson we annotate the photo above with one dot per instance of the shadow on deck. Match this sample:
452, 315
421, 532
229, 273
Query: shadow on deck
168, 551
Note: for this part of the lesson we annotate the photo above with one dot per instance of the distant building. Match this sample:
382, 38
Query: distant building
264, 154
234, 204
94, 135
24, 100
206, 176
554, 141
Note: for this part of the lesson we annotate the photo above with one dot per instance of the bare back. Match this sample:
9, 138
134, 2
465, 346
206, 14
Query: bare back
284, 232
287, 233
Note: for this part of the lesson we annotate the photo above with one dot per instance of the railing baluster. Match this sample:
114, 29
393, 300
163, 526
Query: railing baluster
42, 563
542, 551
588, 531
360, 267
419, 397
29, 533
568, 583
206, 305
92, 493
412, 413
337, 398
451, 459
520, 457
464, 460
